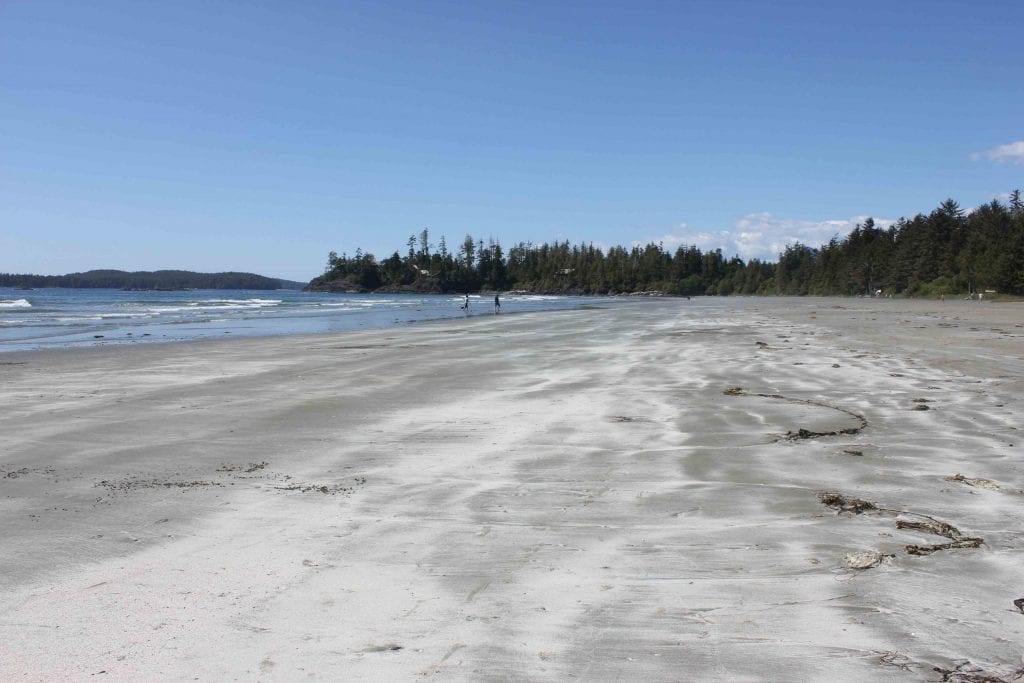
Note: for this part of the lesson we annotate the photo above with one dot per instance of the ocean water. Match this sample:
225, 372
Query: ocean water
62, 318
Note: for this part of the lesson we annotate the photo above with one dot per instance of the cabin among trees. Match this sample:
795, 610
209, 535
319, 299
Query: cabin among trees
946, 252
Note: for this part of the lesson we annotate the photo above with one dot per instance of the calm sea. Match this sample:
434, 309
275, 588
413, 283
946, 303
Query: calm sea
50, 318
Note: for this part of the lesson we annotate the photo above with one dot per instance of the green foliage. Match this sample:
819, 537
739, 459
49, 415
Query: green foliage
940, 286
146, 280
945, 252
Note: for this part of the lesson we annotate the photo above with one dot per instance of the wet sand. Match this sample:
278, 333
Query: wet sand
632, 492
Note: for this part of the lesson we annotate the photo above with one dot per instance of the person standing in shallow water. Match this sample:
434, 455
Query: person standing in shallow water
497, 304
465, 306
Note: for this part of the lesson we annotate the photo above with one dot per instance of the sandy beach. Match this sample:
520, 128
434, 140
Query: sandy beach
716, 489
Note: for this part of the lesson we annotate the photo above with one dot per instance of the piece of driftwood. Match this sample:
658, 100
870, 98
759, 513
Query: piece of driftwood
838, 501
866, 559
934, 526
975, 482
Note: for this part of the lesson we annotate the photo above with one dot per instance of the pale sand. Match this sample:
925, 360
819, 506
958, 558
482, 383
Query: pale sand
537, 497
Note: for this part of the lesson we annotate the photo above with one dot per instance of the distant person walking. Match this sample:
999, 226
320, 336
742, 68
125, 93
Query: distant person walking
497, 304
465, 306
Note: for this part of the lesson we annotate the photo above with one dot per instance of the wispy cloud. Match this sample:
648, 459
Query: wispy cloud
762, 235
1012, 153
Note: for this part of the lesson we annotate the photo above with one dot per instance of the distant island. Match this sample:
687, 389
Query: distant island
148, 280
948, 252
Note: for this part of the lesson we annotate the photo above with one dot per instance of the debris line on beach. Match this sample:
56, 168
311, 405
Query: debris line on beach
966, 672
927, 524
799, 434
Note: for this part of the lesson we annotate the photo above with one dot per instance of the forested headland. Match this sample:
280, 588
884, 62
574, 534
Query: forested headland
946, 252
143, 280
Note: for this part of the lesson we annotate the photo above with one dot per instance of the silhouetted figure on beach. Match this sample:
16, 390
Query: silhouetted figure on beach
465, 306
497, 304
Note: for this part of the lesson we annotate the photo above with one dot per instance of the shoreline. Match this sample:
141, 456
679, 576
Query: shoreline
85, 318
573, 493
18, 356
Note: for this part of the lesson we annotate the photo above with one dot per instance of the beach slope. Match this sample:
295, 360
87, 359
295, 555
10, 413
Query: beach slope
658, 490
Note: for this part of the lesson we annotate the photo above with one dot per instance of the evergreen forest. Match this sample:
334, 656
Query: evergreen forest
148, 280
946, 252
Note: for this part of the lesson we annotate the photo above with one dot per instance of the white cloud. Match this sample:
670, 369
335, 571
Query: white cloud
1012, 153
762, 235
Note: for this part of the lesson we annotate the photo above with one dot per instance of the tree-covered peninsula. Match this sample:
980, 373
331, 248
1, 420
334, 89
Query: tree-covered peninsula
946, 252
148, 280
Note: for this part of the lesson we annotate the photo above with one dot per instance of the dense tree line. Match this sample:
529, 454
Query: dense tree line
947, 251
160, 279
944, 252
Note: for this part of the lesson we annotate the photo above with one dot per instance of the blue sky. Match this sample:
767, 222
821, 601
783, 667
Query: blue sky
258, 136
